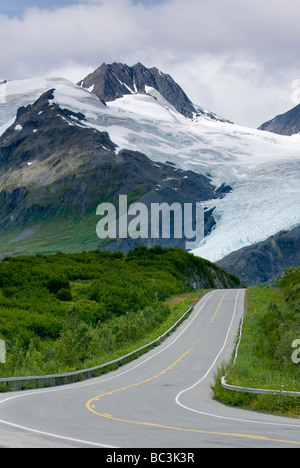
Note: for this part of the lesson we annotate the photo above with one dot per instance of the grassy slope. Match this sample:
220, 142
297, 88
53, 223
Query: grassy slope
54, 235
60, 231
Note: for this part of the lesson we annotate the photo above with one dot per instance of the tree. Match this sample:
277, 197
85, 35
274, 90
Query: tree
55, 284
64, 295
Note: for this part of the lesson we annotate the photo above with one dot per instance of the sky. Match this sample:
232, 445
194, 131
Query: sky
237, 58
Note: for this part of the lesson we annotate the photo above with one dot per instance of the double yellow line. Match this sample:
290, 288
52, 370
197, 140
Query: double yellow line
92, 407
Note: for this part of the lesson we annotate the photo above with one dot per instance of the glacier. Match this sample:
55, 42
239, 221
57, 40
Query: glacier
263, 169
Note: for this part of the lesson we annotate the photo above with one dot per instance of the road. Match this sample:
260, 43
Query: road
163, 399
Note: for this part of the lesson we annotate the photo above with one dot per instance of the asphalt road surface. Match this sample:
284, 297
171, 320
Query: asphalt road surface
161, 400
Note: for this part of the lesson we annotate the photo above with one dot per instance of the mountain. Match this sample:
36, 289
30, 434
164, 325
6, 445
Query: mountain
66, 148
285, 124
55, 170
266, 260
111, 82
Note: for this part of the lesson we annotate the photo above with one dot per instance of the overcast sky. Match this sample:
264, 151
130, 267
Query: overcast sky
238, 58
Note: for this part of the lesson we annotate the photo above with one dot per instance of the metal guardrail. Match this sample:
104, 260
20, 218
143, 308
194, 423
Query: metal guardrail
257, 391
30, 382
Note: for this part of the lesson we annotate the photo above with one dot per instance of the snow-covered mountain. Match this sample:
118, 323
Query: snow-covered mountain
111, 82
262, 169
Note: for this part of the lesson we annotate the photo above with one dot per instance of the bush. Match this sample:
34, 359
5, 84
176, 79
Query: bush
55, 284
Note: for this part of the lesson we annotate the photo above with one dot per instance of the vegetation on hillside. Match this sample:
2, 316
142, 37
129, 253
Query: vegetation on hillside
65, 312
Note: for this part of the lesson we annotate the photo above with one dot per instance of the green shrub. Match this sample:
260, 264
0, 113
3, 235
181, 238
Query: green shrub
55, 284
64, 295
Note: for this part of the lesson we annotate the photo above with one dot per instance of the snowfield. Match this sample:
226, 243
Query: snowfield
263, 169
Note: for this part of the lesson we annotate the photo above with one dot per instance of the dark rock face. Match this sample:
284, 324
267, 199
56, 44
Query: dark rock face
285, 124
110, 82
265, 261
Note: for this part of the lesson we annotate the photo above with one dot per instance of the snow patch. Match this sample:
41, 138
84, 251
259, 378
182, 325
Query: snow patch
123, 84
91, 88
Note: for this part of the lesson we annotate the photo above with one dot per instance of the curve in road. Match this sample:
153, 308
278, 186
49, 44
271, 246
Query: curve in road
163, 399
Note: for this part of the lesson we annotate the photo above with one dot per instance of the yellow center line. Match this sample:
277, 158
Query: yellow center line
168, 368
91, 407
196, 431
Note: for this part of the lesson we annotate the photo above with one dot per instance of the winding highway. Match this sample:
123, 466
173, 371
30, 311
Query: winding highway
163, 399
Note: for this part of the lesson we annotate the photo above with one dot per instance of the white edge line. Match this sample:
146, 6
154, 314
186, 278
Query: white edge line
69, 387
213, 364
48, 434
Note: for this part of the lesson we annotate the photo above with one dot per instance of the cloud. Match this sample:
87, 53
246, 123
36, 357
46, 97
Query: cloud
236, 58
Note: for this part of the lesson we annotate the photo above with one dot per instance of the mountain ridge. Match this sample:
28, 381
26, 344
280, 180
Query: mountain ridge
63, 151
284, 124
71, 168
265, 261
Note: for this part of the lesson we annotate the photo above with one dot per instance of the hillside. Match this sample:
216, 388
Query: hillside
71, 311
266, 260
